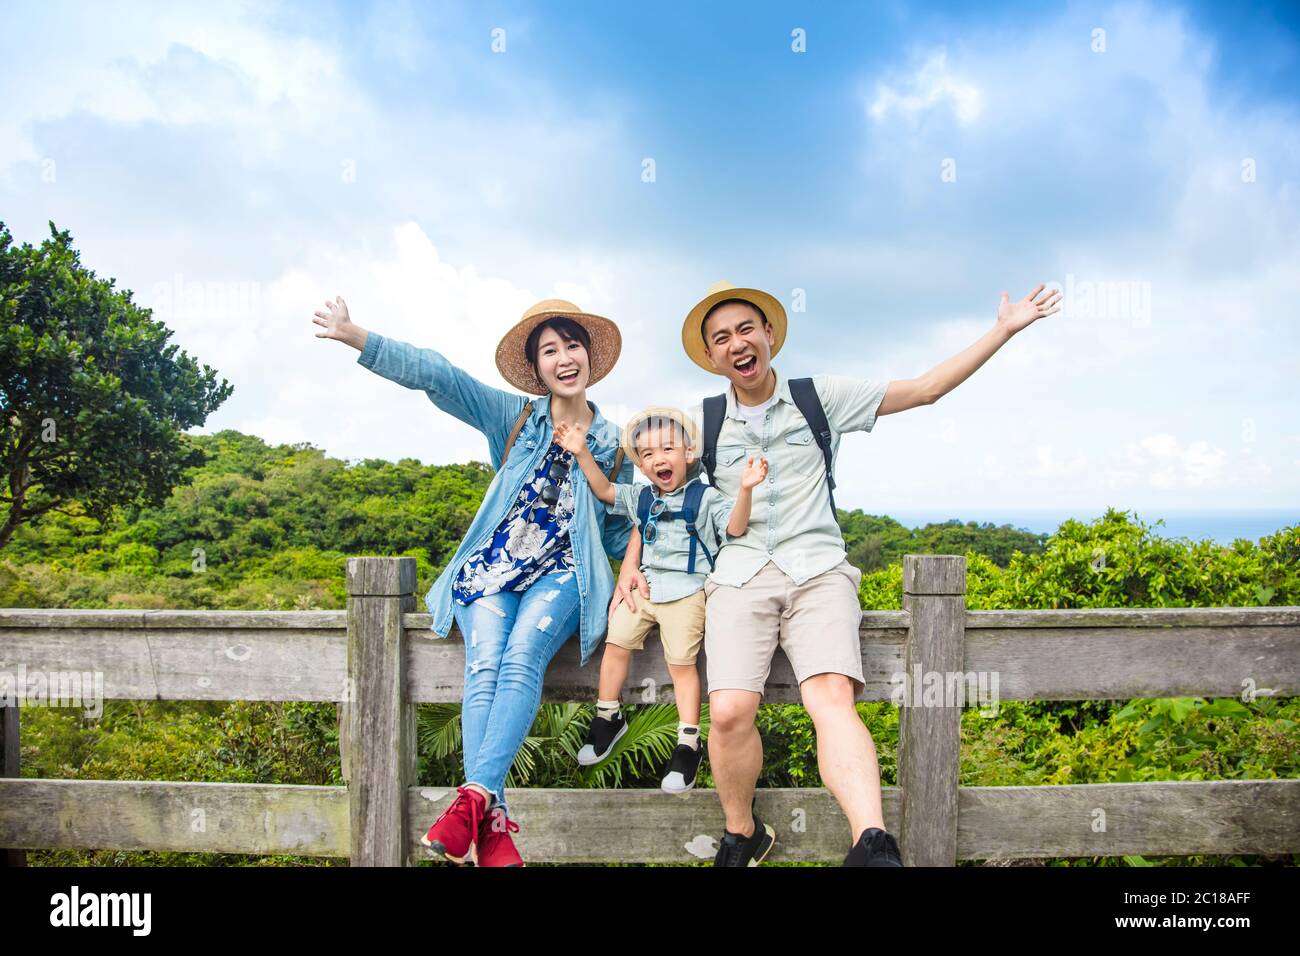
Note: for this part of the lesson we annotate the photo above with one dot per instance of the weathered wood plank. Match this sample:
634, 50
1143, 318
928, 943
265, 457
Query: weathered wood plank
118, 619
1045, 655
1155, 819
1138, 617
1174, 818
11, 766
187, 663
185, 817
380, 735
649, 826
929, 732
436, 670
1070, 663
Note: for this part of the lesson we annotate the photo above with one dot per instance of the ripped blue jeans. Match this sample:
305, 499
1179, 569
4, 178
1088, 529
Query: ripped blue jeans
510, 638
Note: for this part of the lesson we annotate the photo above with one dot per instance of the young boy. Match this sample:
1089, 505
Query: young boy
662, 442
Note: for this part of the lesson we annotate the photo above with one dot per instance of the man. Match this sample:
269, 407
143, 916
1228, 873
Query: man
787, 582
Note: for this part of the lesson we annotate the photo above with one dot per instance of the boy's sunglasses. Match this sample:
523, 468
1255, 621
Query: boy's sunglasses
651, 529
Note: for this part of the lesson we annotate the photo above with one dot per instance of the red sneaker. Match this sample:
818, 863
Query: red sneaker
495, 848
454, 833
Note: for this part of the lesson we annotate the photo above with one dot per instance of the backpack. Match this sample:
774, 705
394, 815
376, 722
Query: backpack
519, 423
690, 511
809, 404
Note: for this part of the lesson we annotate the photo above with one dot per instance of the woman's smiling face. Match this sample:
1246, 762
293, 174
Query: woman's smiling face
562, 365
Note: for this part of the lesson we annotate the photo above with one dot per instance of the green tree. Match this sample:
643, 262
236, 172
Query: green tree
93, 401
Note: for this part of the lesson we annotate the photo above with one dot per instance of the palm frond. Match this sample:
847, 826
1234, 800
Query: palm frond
438, 729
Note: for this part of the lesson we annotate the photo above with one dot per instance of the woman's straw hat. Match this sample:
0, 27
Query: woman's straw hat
606, 343
657, 415
693, 342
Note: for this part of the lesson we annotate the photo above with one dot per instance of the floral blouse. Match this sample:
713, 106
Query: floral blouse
529, 542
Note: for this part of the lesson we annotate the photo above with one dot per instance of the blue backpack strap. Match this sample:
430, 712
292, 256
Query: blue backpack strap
809, 403
715, 407
690, 511
643, 506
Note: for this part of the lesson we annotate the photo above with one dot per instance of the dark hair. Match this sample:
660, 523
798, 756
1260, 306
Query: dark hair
717, 305
565, 327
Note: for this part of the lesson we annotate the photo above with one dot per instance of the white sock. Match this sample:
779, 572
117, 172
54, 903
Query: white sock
608, 709
688, 734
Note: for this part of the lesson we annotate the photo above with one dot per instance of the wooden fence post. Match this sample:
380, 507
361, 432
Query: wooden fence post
379, 737
10, 766
929, 731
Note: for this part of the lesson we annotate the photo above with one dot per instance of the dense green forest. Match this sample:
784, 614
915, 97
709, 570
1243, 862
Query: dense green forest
269, 527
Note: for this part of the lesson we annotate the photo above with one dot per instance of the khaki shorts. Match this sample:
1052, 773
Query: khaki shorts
681, 626
815, 623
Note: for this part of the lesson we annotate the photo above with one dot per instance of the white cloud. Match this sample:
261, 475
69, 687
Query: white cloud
931, 86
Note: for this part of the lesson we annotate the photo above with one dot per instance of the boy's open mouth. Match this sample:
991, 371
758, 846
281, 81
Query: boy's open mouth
568, 377
747, 366
665, 475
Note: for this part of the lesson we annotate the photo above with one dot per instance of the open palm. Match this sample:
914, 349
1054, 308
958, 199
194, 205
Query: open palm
1014, 316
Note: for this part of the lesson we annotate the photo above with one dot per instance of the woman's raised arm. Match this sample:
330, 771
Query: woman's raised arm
491, 410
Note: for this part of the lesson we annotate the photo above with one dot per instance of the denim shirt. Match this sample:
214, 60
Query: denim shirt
594, 532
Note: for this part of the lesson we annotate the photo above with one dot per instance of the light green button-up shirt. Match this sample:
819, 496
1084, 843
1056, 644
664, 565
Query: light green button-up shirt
790, 520
665, 561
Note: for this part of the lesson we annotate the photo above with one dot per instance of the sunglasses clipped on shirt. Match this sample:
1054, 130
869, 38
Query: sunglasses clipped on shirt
550, 494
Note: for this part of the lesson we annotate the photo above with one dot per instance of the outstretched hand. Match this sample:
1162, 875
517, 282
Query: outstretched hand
1014, 316
338, 324
754, 475
571, 437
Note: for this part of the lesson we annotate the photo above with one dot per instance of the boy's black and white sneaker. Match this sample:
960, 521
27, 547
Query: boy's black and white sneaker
737, 850
602, 735
875, 847
682, 768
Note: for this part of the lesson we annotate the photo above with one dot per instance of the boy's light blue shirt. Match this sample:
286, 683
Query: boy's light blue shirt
664, 562
594, 532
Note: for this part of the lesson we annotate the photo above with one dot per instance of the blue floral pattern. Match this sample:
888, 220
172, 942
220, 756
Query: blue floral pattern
529, 542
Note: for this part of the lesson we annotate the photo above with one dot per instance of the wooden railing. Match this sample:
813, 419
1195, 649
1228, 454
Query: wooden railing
378, 659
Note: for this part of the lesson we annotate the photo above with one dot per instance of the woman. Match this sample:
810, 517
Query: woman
532, 566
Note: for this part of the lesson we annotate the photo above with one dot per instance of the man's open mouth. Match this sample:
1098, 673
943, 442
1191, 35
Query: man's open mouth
568, 377
748, 365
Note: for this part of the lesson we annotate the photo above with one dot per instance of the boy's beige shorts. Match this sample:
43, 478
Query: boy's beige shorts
816, 624
681, 626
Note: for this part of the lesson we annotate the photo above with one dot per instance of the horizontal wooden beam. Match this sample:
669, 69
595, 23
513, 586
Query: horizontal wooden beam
184, 817
1094, 653
1154, 819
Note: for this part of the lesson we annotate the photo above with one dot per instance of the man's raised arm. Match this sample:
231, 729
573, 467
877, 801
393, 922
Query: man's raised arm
948, 374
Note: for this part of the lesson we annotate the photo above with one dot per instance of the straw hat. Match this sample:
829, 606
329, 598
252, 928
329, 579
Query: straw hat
656, 415
693, 342
606, 343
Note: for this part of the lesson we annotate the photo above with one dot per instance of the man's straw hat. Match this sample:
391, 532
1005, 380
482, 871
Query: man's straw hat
658, 415
693, 342
606, 343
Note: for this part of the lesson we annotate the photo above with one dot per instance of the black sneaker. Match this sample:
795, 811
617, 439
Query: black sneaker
737, 850
601, 736
682, 767
875, 847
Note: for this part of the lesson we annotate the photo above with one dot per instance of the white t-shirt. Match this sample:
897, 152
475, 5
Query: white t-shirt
753, 414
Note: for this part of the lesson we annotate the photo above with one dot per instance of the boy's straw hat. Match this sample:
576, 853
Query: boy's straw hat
606, 343
693, 342
659, 414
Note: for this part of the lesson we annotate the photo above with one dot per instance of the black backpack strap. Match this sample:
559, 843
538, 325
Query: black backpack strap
514, 432
805, 396
690, 511
715, 407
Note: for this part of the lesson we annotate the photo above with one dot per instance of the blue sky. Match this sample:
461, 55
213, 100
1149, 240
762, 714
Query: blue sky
233, 168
